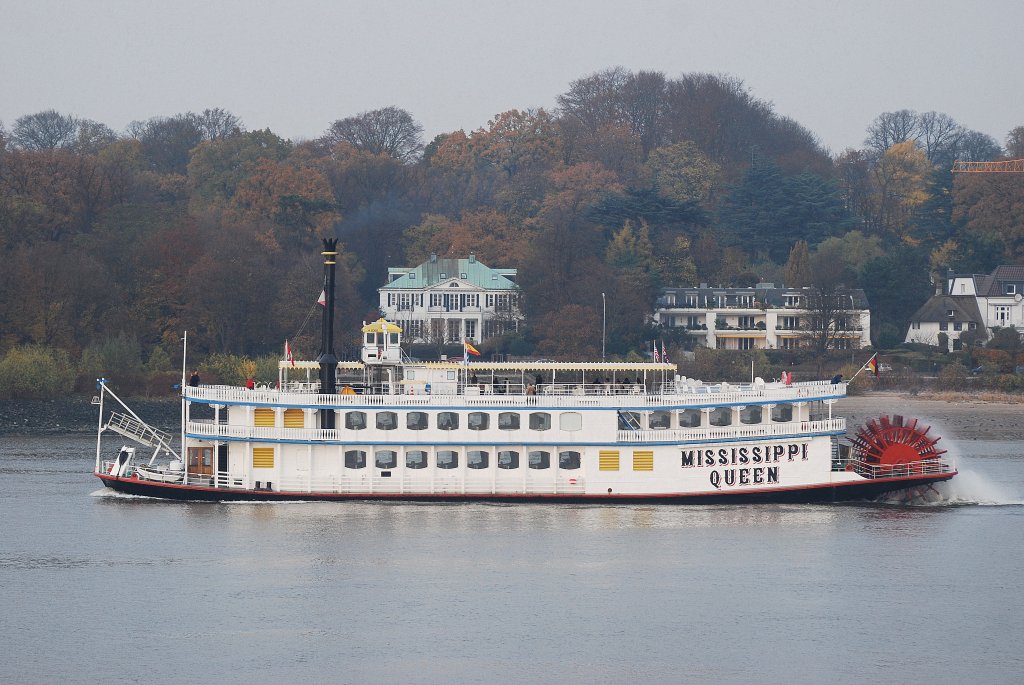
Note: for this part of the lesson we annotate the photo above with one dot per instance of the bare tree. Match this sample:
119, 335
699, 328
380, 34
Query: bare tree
92, 136
389, 131
1014, 143
975, 146
47, 130
890, 128
939, 136
218, 123
595, 101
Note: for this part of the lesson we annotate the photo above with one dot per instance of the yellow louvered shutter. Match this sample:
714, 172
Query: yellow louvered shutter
643, 461
608, 461
263, 457
294, 418
264, 417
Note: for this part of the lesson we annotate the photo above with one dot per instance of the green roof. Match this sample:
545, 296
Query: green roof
439, 270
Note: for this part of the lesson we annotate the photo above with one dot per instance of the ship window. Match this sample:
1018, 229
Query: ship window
415, 459
629, 420
508, 459
568, 460
447, 420
478, 421
689, 418
355, 459
540, 421
387, 420
447, 459
750, 414
386, 459
416, 420
570, 421
393, 338
355, 420
540, 460
660, 419
477, 459
722, 416
782, 412
370, 338
508, 421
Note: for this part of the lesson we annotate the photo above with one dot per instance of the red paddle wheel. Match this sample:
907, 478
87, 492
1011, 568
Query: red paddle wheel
886, 443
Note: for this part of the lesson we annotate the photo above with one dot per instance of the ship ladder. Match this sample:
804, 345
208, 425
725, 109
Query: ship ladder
140, 432
628, 420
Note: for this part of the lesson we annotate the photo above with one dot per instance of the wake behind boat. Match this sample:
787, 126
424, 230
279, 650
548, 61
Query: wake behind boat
388, 427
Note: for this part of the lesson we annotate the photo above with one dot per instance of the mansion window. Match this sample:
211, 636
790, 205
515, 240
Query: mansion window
1011, 289
789, 323
791, 300
693, 322
690, 301
744, 300
1002, 314
745, 344
790, 343
744, 322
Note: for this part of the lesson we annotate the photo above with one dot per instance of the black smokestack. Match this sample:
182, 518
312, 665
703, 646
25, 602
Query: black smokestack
328, 360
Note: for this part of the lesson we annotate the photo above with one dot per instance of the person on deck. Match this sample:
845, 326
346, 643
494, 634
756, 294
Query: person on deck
250, 384
193, 380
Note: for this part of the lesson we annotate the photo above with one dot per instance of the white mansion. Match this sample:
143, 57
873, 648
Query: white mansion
970, 302
451, 300
763, 317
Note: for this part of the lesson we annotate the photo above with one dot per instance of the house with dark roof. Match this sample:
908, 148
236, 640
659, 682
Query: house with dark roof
971, 302
451, 300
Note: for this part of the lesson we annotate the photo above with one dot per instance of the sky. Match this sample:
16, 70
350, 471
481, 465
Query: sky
297, 66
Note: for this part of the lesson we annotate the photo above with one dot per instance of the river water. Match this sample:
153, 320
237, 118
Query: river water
96, 587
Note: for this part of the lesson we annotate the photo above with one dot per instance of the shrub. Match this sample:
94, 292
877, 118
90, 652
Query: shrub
35, 372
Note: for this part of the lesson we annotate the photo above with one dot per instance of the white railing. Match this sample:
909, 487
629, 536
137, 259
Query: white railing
760, 430
913, 468
559, 395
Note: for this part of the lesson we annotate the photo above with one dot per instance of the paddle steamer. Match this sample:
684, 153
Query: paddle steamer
389, 427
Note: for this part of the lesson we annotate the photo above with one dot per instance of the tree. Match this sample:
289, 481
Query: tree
895, 283
571, 332
900, 178
681, 172
168, 141
798, 265
388, 131
892, 128
46, 130
219, 165
1014, 143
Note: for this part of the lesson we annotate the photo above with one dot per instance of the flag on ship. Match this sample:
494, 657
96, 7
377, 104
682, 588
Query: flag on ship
469, 349
664, 353
288, 353
654, 345
322, 300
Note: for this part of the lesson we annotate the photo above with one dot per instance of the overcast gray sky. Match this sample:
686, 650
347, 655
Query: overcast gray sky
297, 66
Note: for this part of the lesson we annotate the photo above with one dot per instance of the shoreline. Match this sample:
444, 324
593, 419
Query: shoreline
955, 416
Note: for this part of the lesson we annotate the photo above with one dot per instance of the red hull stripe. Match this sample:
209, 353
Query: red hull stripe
880, 484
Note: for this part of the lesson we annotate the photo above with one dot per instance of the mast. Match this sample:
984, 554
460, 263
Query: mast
328, 360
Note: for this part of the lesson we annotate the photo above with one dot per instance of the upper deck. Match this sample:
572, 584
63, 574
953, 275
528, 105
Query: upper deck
554, 395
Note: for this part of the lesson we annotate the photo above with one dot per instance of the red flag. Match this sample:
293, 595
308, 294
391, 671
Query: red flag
664, 353
656, 357
322, 300
468, 348
288, 353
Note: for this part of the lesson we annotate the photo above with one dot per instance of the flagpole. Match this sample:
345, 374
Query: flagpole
863, 367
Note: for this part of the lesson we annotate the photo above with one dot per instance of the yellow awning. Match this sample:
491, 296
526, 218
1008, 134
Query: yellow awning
379, 325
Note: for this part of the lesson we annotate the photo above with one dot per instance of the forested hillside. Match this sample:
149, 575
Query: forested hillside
114, 243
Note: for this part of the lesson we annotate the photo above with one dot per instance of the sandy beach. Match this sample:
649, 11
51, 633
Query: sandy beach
954, 417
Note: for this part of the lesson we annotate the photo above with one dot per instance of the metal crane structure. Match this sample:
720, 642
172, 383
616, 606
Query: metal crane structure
1006, 166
